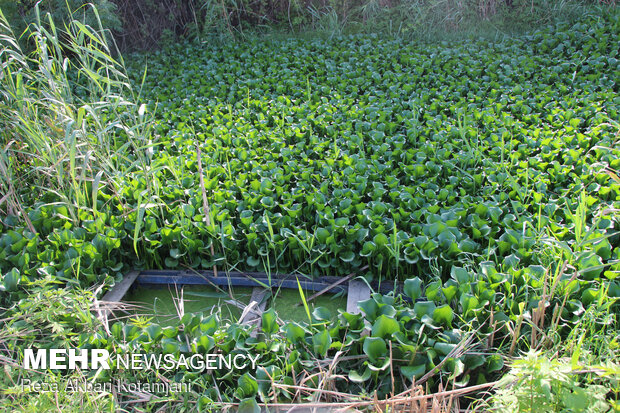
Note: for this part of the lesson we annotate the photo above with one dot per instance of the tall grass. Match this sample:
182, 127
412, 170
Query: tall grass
148, 24
447, 19
71, 122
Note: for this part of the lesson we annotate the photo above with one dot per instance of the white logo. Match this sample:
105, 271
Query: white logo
66, 359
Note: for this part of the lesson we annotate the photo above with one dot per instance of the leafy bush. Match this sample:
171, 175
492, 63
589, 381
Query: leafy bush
537, 384
49, 317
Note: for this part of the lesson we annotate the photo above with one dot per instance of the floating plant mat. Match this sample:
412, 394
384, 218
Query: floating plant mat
288, 304
159, 301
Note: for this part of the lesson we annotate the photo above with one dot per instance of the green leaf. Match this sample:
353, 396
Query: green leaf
454, 366
174, 253
588, 296
138, 225
170, 346
413, 288
117, 330
422, 308
188, 210
444, 348
603, 249
469, 303
269, 324
321, 342
380, 240
591, 265
322, 234
247, 386
252, 261
380, 367
450, 290
495, 362
460, 275
347, 256
356, 377
368, 249
265, 375
154, 331
209, 325
511, 261
303, 300
206, 342
248, 406
322, 313
433, 291
374, 348
11, 280
384, 326
294, 332
443, 315
474, 361
370, 308
413, 372
246, 217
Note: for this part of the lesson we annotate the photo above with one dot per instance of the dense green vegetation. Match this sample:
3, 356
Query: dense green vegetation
481, 176
324, 156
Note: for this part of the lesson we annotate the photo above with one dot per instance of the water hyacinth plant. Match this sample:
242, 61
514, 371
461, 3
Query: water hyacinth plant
479, 177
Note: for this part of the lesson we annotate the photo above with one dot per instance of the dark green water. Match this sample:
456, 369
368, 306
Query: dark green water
288, 304
159, 303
